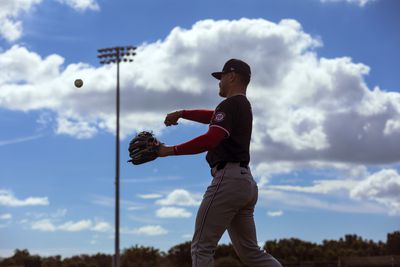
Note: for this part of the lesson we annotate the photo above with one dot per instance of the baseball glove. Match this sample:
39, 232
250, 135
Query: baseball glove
143, 148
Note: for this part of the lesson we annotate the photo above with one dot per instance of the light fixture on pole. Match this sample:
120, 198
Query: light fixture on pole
108, 56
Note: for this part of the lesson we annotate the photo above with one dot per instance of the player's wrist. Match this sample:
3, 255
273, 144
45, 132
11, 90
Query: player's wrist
166, 151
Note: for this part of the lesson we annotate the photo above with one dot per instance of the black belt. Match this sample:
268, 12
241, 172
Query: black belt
220, 165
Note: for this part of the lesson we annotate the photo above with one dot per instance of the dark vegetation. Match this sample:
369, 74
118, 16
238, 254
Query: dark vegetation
291, 252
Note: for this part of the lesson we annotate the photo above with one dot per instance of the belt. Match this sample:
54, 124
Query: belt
220, 165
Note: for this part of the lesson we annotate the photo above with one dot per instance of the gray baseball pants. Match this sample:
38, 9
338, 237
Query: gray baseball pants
228, 204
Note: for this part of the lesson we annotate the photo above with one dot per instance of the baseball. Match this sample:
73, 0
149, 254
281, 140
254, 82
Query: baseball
78, 83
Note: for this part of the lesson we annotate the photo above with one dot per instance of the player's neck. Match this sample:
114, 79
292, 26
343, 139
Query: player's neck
238, 91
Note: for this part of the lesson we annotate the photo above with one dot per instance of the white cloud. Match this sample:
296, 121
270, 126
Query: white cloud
75, 226
60, 213
309, 111
267, 171
359, 192
320, 186
5, 216
149, 230
173, 212
102, 227
82, 5
44, 225
180, 197
306, 108
298, 201
392, 126
361, 3
7, 198
382, 187
149, 196
10, 30
79, 129
136, 208
10, 25
277, 213
19, 140
48, 225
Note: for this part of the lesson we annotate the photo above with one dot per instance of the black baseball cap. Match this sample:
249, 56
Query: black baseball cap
234, 65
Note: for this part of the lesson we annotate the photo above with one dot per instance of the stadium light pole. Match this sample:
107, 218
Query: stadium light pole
116, 55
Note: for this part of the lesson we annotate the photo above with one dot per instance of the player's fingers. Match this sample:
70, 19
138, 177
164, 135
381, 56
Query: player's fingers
169, 123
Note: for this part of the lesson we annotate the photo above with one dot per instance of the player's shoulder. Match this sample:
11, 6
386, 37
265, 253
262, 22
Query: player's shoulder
234, 102
235, 99
238, 101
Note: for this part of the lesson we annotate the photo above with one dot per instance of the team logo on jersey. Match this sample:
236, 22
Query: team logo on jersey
219, 116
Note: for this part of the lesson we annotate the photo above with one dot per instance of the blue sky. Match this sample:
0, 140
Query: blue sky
325, 96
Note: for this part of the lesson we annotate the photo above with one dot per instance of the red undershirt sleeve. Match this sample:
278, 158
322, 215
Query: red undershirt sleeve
199, 115
202, 143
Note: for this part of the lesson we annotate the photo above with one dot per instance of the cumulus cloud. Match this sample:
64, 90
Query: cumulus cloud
173, 212
319, 186
322, 170
382, 187
47, 225
309, 111
359, 190
75, 226
180, 197
305, 107
148, 230
10, 26
44, 225
81, 5
361, 3
300, 201
7, 198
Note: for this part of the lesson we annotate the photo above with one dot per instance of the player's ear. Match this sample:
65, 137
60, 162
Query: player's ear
232, 76
235, 77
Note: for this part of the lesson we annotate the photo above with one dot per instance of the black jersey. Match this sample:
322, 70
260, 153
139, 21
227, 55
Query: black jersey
235, 117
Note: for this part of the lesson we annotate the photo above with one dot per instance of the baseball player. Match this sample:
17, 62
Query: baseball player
229, 201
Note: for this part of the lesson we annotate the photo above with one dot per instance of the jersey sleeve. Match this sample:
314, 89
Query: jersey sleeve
223, 117
198, 115
202, 143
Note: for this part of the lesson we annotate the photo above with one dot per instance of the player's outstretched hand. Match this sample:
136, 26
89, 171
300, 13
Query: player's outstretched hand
144, 147
172, 118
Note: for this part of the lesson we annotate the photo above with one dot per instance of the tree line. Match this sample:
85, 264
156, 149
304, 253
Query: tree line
288, 251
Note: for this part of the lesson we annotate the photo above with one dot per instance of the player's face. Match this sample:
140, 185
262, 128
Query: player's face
223, 85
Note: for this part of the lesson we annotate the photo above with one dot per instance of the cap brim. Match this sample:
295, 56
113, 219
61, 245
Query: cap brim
217, 75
